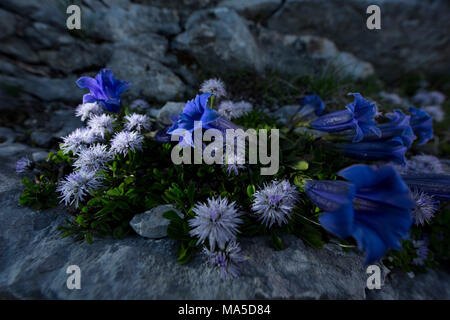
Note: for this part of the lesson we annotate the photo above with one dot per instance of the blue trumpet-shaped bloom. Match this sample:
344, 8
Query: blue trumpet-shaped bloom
422, 124
195, 114
374, 206
358, 116
399, 126
311, 104
391, 150
104, 89
436, 185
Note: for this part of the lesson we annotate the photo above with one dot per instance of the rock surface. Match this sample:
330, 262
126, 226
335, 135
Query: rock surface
159, 46
151, 224
34, 259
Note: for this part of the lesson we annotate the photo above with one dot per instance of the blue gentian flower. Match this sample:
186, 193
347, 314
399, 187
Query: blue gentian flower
311, 104
374, 206
391, 150
358, 116
422, 125
436, 185
195, 110
399, 126
104, 89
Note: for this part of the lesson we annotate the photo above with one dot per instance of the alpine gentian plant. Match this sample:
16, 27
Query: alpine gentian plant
358, 116
195, 110
311, 104
436, 185
23, 165
216, 221
425, 208
87, 110
77, 185
104, 89
126, 141
392, 150
274, 203
226, 261
374, 207
422, 125
136, 121
398, 127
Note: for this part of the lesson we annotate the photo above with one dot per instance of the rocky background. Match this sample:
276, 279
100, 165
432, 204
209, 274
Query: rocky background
164, 48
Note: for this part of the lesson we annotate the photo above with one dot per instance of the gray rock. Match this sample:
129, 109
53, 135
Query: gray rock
308, 54
41, 139
7, 136
151, 224
252, 9
39, 156
413, 33
62, 122
8, 23
169, 109
34, 260
150, 79
219, 39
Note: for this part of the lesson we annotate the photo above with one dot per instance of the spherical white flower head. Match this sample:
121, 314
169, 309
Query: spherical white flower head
228, 110
435, 112
93, 158
244, 106
423, 164
79, 139
217, 220
425, 208
126, 141
101, 124
274, 203
139, 104
87, 110
137, 122
234, 162
23, 165
225, 261
77, 185
214, 86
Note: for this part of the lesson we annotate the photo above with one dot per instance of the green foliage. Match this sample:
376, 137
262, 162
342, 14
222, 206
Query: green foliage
39, 194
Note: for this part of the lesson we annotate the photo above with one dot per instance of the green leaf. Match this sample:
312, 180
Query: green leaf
301, 165
251, 190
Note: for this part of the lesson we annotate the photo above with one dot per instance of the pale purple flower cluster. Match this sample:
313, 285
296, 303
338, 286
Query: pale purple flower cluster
23, 165
421, 251
230, 110
77, 185
93, 158
125, 141
422, 163
273, 204
79, 139
87, 110
214, 86
99, 124
136, 121
226, 261
217, 221
234, 162
425, 208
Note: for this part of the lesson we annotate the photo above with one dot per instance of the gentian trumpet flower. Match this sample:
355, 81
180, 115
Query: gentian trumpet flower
196, 110
358, 116
436, 185
104, 89
392, 150
311, 104
399, 126
422, 125
374, 207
